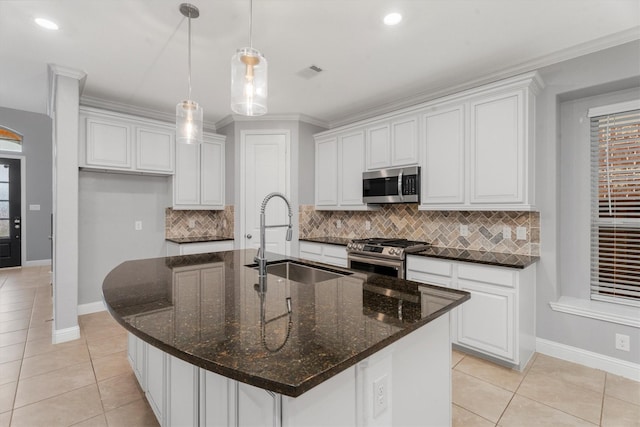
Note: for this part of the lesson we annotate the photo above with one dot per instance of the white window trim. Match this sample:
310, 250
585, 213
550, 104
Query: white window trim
599, 310
614, 108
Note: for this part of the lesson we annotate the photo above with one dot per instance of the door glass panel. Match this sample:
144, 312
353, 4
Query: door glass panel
4, 228
4, 173
4, 210
4, 191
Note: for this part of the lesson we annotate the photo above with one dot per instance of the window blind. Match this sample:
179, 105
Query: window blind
615, 208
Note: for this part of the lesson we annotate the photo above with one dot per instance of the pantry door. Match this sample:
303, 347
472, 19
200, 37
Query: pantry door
265, 169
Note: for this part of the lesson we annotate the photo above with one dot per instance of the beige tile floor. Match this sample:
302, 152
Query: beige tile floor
88, 382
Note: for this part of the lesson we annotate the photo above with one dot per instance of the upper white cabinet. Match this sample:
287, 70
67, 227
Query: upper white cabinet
479, 148
392, 143
127, 144
339, 167
198, 182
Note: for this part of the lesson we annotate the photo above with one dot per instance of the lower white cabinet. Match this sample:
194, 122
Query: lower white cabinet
155, 372
325, 253
498, 320
174, 249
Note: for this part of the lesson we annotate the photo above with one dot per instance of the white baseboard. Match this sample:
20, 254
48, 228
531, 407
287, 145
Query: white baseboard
588, 358
92, 307
37, 262
67, 334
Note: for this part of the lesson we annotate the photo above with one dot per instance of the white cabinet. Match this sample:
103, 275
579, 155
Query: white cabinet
324, 253
156, 373
498, 320
443, 173
126, 144
392, 143
479, 148
338, 175
174, 249
198, 182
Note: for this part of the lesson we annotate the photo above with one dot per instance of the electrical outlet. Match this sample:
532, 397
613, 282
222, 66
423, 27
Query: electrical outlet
521, 233
192, 223
380, 396
464, 230
622, 342
339, 223
506, 233
138, 225
367, 225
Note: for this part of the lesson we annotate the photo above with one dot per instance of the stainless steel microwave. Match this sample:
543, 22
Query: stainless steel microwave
400, 185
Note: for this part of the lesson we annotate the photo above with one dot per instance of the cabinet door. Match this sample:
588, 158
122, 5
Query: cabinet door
443, 177
378, 147
351, 162
335, 255
108, 143
187, 177
404, 142
256, 407
182, 393
327, 172
155, 147
212, 167
156, 381
497, 149
486, 322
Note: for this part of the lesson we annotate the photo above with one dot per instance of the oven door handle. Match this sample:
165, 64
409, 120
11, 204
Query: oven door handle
375, 261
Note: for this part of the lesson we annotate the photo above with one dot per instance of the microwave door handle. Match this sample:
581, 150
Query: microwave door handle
400, 186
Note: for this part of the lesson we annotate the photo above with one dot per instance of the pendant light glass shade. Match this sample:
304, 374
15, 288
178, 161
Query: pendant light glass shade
188, 112
188, 122
249, 82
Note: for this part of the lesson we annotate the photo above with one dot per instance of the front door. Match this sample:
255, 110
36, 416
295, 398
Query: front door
265, 170
10, 208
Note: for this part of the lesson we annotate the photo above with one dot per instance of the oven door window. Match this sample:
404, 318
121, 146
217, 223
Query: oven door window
378, 269
376, 187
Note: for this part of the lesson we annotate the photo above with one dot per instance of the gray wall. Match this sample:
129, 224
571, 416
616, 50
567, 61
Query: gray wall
307, 163
558, 274
36, 129
109, 205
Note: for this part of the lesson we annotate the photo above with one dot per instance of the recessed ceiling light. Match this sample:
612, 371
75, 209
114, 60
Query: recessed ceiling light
392, 18
45, 23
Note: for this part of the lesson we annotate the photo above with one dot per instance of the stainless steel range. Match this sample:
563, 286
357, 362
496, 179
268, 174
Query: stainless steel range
382, 256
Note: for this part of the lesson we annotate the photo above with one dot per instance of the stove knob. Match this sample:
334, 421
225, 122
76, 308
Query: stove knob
360, 246
392, 251
349, 245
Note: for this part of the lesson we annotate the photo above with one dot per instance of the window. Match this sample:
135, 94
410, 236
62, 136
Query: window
10, 140
615, 203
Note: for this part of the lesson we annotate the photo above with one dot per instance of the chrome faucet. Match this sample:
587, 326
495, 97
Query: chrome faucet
261, 258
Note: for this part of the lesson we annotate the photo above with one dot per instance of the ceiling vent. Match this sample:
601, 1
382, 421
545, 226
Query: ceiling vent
309, 72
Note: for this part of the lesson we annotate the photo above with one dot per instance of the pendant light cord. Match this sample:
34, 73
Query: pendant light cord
251, 24
189, 79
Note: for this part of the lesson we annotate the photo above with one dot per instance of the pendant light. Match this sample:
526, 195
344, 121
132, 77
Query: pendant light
188, 112
249, 78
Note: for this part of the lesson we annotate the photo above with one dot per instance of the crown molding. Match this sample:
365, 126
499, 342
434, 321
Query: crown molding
626, 36
119, 107
54, 70
232, 118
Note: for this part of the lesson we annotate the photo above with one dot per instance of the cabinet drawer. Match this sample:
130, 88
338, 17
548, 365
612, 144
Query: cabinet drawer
311, 248
429, 266
493, 275
336, 251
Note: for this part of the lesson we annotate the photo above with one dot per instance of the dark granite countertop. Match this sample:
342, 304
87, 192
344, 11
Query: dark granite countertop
339, 241
197, 239
466, 255
207, 310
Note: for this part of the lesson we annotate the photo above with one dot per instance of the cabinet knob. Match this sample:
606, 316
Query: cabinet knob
248, 236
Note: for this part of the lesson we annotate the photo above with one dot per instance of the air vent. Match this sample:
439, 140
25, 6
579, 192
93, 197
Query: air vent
309, 72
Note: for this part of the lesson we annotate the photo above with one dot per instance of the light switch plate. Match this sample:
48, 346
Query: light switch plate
464, 230
506, 233
521, 233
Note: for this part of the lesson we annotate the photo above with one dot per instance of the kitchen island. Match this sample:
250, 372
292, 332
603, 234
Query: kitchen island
212, 344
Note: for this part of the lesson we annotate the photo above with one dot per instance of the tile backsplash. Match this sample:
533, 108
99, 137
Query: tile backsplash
198, 223
486, 229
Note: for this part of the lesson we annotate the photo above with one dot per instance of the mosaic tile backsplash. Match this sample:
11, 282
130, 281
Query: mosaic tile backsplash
197, 223
440, 228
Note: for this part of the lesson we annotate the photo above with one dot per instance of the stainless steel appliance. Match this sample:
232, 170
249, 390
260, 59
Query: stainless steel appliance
401, 185
382, 256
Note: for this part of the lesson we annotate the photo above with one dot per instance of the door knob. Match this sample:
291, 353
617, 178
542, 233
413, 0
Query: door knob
248, 236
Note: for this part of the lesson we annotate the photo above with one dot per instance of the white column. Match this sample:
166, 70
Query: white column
65, 85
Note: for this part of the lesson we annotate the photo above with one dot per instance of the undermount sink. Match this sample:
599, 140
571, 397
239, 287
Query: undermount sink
301, 273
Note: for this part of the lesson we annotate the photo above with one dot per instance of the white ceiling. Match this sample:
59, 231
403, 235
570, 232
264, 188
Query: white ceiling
135, 51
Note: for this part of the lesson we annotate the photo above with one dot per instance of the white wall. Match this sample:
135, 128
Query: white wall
558, 274
109, 205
